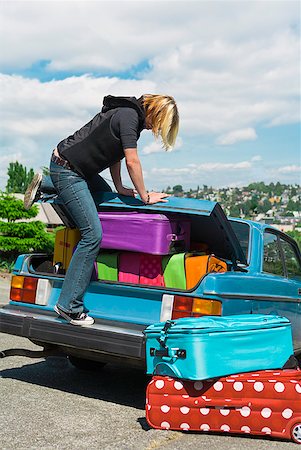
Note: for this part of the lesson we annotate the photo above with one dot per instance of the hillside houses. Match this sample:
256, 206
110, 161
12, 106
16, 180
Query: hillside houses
274, 203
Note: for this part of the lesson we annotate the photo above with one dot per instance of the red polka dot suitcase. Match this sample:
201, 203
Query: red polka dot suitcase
266, 402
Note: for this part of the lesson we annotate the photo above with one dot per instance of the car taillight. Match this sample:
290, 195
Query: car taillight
30, 290
195, 307
177, 306
23, 289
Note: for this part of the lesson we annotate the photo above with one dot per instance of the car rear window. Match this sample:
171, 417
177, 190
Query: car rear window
242, 231
292, 262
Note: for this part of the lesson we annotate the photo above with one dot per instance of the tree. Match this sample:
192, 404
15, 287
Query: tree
178, 189
293, 206
168, 190
17, 236
295, 235
18, 178
234, 211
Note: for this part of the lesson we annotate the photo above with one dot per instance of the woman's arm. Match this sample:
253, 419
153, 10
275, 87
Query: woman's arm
115, 174
116, 177
135, 172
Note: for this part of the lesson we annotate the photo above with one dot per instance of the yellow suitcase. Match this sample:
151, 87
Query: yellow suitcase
65, 241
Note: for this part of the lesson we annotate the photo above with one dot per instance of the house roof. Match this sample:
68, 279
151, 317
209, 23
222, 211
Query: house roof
46, 213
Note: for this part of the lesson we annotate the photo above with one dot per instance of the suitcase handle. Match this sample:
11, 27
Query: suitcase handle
155, 352
176, 237
175, 353
179, 234
231, 404
163, 335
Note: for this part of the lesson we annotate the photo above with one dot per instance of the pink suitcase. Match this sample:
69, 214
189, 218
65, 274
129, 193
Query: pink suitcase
266, 402
146, 233
128, 270
151, 270
140, 268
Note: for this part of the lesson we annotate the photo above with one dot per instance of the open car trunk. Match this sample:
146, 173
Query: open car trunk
210, 228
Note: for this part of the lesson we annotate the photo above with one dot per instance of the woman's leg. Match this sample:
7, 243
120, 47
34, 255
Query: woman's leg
47, 186
73, 190
41, 186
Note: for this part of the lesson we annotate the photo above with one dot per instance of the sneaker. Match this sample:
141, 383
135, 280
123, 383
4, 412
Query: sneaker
33, 192
81, 319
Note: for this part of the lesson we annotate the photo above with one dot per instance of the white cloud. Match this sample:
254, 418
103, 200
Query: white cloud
36, 116
256, 158
156, 147
227, 79
153, 147
224, 78
212, 173
212, 167
290, 169
95, 35
245, 134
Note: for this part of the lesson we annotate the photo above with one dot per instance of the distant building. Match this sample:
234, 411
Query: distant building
275, 199
283, 227
46, 214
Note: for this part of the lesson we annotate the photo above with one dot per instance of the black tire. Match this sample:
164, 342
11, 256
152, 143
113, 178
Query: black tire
86, 364
296, 433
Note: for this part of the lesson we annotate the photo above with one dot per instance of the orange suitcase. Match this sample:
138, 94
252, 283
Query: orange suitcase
196, 266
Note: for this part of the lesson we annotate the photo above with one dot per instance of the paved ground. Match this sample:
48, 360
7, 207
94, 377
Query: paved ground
50, 405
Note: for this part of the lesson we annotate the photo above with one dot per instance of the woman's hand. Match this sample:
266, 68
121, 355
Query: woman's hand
126, 191
155, 197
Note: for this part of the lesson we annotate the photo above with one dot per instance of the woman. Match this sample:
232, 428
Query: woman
100, 144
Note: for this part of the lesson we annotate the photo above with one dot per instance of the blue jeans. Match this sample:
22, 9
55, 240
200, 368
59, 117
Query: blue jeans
76, 194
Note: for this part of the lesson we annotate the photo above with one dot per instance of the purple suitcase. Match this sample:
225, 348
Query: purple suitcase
156, 234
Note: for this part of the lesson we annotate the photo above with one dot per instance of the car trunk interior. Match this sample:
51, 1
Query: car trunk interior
206, 238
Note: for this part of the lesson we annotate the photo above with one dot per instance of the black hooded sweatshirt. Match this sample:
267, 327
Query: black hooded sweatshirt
95, 147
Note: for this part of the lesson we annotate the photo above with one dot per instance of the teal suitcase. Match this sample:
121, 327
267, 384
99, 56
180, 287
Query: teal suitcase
210, 346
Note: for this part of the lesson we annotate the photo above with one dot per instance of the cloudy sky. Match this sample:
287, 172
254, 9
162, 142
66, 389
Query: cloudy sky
232, 66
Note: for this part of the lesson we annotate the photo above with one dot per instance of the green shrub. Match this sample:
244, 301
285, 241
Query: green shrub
20, 237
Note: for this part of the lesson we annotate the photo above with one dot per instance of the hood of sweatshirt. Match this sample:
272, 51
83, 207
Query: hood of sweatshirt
112, 102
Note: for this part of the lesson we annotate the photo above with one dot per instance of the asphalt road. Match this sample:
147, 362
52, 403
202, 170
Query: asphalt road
48, 404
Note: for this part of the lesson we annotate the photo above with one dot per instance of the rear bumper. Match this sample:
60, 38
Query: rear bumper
115, 339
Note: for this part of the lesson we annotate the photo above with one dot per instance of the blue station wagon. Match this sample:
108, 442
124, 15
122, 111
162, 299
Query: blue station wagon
263, 276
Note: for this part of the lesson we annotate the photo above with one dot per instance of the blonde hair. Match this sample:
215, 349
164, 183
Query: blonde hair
162, 112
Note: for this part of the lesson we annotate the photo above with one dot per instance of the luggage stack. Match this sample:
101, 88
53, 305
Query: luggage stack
139, 248
180, 271
224, 374
142, 240
151, 249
